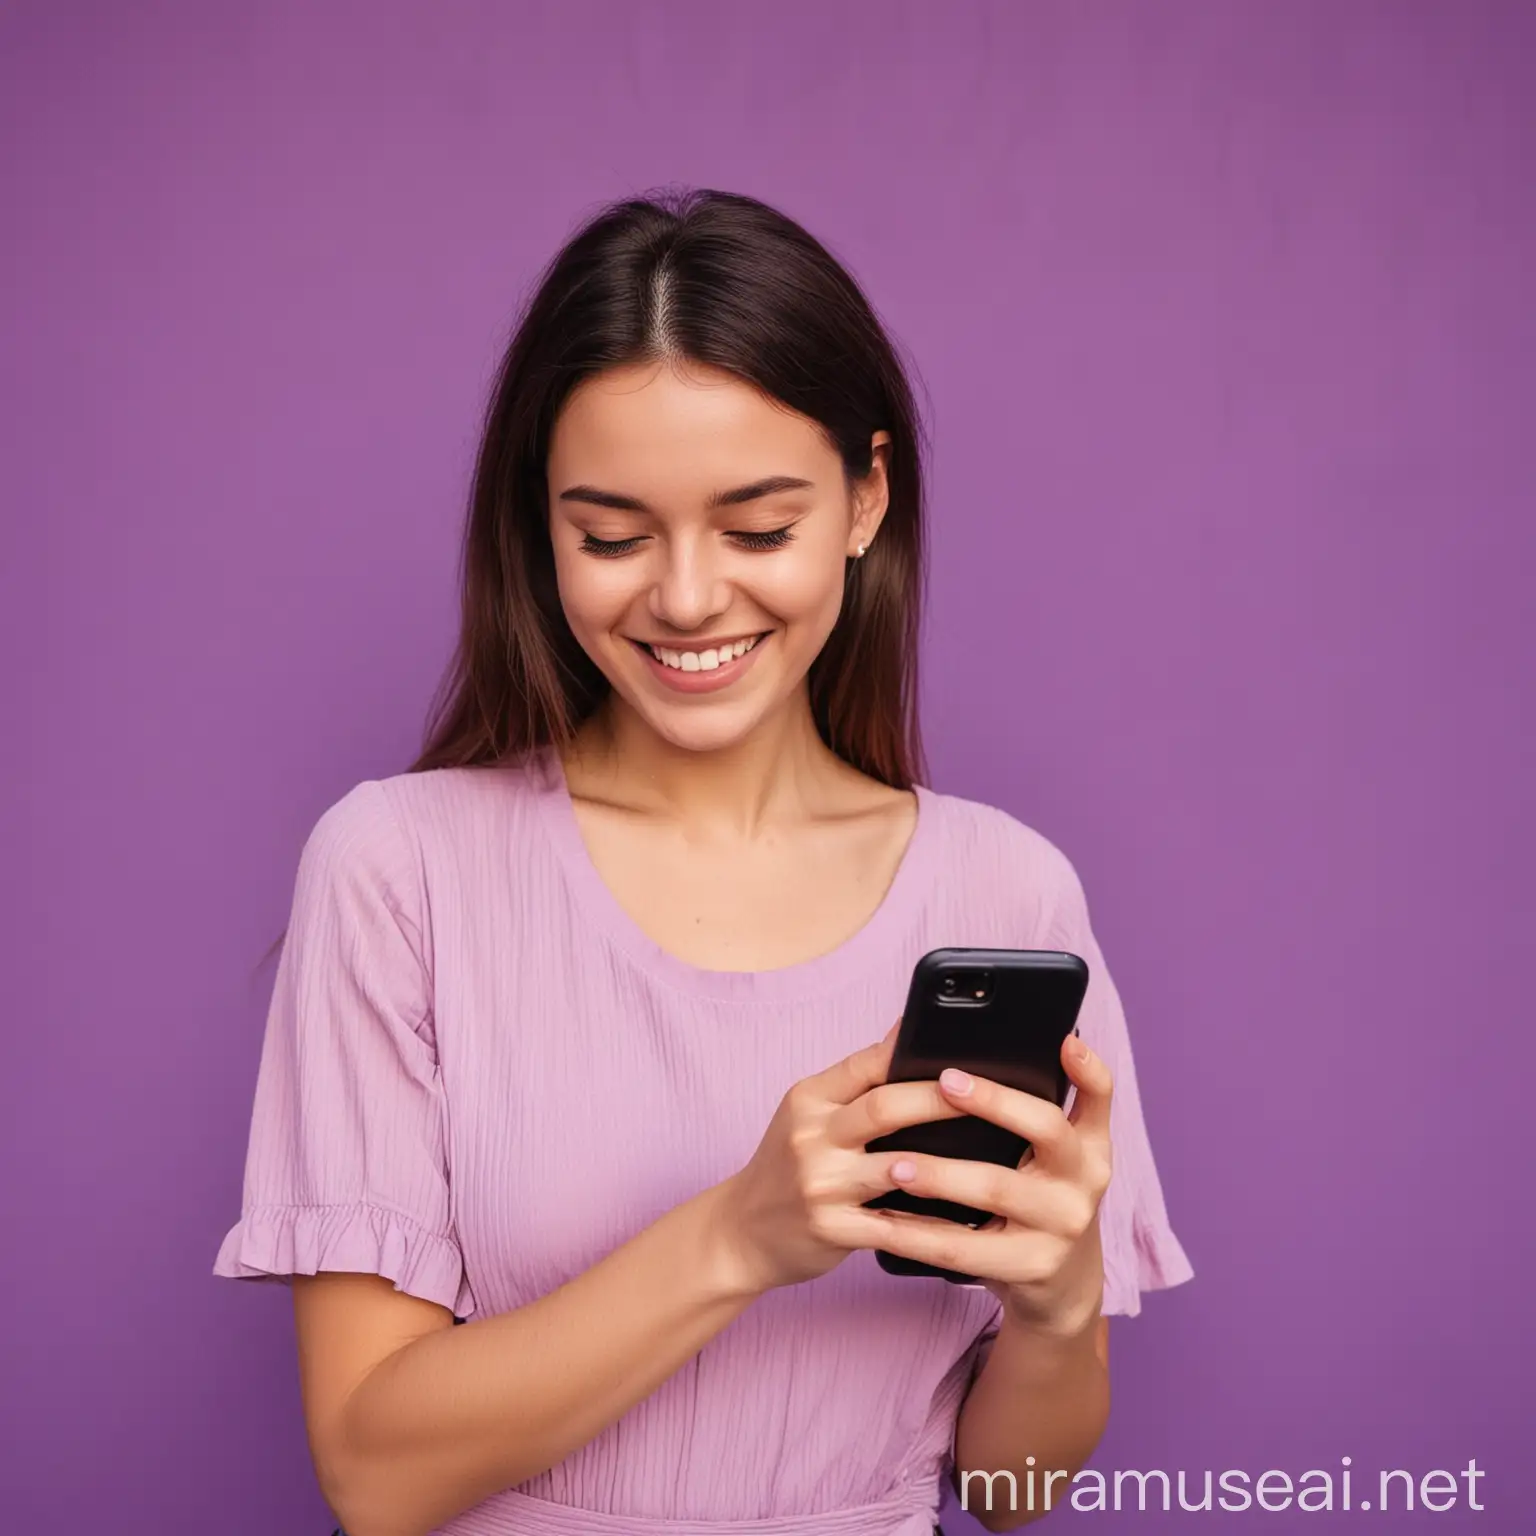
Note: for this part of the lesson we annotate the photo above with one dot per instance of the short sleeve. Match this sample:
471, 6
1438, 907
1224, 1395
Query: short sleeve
346, 1166
1141, 1252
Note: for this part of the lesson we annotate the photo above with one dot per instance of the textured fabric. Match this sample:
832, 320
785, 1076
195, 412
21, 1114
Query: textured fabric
479, 1076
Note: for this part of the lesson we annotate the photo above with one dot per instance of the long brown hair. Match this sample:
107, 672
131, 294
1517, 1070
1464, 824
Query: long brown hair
707, 277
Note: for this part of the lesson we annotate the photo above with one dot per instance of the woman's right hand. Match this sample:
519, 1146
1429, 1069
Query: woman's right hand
796, 1210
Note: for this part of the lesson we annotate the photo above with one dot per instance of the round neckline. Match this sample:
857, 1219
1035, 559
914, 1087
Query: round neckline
848, 962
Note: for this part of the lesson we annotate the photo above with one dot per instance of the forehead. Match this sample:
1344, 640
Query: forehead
682, 426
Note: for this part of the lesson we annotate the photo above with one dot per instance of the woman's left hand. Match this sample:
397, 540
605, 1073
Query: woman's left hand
1040, 1253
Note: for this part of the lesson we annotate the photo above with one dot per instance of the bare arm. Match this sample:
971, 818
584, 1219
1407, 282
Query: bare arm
1041, 1401
412, 1420
1040, 1397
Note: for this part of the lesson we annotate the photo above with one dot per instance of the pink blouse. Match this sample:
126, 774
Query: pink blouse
479, 1076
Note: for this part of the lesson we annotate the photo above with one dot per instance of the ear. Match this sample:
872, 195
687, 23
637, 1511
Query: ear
871, 496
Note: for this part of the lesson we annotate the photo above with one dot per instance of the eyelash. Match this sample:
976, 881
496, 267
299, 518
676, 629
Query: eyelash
594, 546
774, 538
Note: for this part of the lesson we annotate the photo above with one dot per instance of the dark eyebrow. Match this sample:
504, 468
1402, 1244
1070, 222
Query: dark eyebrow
770, 486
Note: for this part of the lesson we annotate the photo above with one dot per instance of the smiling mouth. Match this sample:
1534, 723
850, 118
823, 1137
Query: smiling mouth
707, 660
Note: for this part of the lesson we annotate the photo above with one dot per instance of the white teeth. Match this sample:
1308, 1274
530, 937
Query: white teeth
702, 661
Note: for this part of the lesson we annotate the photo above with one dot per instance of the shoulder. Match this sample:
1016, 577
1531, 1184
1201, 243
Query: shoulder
374, 859
1003, 855
356, 858
378, 830
975, 825
436, 806
358, 829
431, 836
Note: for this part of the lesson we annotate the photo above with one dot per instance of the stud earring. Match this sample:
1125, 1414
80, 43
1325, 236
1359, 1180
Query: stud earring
862, 548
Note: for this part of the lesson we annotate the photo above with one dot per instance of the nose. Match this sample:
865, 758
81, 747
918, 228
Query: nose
690, 588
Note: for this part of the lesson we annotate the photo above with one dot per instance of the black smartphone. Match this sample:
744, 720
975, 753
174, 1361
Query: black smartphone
1002, 1014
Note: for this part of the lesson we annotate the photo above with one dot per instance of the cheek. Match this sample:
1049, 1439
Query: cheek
803, 585
592, 593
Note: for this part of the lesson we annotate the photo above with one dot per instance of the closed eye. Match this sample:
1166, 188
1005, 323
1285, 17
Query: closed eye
774, 538
596, 546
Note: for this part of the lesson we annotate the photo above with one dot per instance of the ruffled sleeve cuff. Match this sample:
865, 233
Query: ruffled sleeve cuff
1146, 1257
278, 1242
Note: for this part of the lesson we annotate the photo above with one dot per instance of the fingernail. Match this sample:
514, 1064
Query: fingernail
903, 1169
955, 1080
1079, 1050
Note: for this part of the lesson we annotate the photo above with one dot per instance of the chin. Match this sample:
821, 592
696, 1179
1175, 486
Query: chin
712, 728
700, 722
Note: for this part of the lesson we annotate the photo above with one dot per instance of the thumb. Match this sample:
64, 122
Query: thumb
1094, 1083
845, 1080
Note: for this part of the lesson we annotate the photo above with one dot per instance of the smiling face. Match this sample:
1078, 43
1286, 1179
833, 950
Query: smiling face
700, 534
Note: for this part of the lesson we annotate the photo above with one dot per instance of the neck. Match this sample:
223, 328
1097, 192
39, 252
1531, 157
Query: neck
768, 778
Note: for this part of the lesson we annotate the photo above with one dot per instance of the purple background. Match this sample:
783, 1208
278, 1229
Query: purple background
1225, 313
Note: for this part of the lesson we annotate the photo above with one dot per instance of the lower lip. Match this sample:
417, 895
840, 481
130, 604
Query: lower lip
700, 682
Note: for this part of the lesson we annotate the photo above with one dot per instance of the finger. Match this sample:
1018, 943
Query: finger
860, 1176
928, 1239
849, 1179
1044, 1205
1043, 1124
1094, 1087
888, 1107
857, 1073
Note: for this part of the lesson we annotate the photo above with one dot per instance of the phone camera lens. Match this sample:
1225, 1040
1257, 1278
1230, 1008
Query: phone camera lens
949, 983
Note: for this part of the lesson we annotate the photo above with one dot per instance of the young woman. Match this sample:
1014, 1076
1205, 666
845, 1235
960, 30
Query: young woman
581, 1025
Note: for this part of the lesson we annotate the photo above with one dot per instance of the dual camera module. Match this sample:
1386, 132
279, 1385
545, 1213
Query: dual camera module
965, 986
